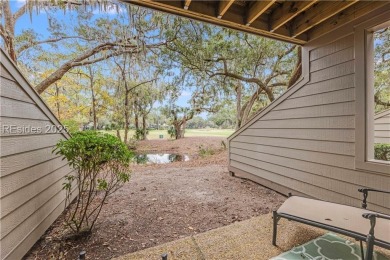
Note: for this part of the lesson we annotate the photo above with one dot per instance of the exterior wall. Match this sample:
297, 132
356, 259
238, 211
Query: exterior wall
31, 177
382, 127
304, 142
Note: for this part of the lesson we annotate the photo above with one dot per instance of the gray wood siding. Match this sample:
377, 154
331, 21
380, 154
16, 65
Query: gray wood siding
306, 143
31, 175
382, 127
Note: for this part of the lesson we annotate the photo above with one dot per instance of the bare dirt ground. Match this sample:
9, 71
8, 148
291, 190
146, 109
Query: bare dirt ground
162, 203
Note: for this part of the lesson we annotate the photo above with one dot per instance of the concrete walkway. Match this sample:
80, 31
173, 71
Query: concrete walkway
249, 239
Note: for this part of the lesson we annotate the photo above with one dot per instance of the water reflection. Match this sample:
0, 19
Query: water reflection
160, 158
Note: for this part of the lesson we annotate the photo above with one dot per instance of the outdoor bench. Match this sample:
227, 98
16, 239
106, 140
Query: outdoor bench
358, 223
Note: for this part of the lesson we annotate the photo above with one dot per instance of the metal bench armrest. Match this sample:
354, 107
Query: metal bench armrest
370, 236
365, 195
375, 215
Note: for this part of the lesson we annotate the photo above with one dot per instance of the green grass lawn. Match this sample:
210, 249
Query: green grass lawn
154, 134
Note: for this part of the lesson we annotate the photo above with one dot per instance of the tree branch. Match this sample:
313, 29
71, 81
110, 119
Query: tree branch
82, 60
2, 31
257, 81
78, 61
378, 101
278, 84
22, 10
142, 83
31, 44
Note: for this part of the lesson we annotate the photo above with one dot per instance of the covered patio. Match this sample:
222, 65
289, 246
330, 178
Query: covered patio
313, 141
316, 139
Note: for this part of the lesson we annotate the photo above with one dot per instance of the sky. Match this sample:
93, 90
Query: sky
39, 23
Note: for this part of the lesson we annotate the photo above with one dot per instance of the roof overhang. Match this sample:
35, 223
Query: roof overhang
292, 21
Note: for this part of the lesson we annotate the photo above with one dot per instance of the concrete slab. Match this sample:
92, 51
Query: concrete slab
249, 239
179, 249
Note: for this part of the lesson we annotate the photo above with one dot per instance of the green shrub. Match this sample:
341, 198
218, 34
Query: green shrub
382, 152
101, 164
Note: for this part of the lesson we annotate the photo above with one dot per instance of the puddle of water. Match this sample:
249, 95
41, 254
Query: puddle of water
163, 158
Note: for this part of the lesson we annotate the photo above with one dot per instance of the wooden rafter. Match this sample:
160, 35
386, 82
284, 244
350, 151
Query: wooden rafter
202, 11
287, 12
187, 4
353, 12
317, 14
257, 9
223, 7
294, 21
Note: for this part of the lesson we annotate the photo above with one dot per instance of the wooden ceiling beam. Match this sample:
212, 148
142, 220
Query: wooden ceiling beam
187, 4
317, 14
354, 12
287, 12
257, 9
223, 7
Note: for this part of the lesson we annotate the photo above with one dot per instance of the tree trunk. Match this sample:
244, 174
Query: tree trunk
143, 127
91, 85
136, 116
95, 122
183, 130
298, 69
9, 45
58, 102
238, 106
127, 116
244, 114
118, 134
8, 34
127, 92
177, 126
247, 107
136, 121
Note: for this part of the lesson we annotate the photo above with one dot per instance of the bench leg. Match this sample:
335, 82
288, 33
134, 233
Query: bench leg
370, 237
370, 247
275, 226
361, 249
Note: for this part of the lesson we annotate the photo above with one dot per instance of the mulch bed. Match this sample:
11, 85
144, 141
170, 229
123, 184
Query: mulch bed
162, 203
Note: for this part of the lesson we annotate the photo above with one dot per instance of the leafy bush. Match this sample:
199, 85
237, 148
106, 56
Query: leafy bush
382, 152
101, 164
